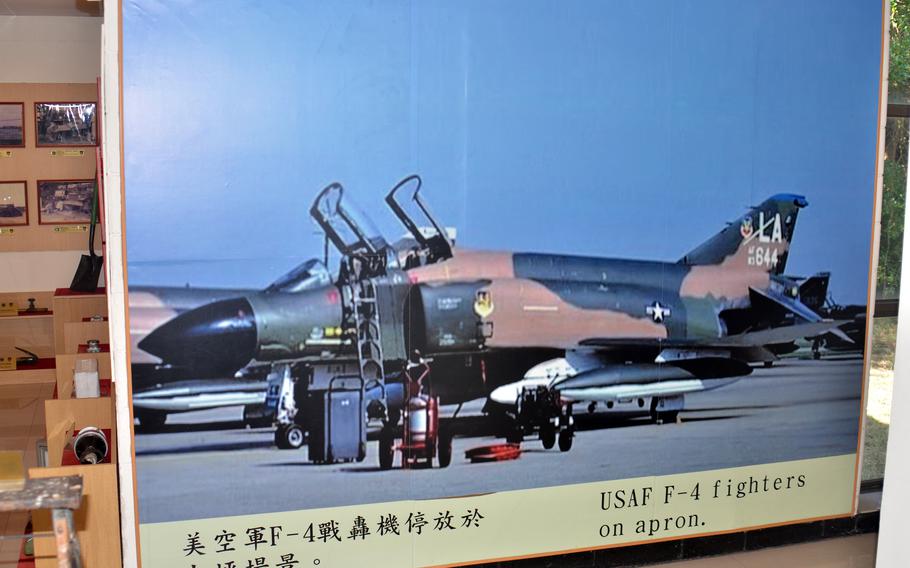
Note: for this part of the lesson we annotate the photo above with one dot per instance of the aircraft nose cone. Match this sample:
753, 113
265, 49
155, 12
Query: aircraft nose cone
216, 339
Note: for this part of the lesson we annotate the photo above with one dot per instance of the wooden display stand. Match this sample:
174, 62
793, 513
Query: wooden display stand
59, 336
31, 331
98, 521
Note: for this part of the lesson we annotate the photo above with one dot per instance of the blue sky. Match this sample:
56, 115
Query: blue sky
632, 129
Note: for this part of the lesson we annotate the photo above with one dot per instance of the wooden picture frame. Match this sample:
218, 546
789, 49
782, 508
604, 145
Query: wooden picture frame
8, 125
63, 124
12, 214
72, 207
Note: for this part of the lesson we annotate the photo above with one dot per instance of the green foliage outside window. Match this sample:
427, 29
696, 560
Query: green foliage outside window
895, 172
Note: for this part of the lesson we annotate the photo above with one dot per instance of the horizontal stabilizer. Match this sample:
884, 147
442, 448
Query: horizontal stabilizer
784, 334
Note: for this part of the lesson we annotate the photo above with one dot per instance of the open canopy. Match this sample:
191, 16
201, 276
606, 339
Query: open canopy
349, 229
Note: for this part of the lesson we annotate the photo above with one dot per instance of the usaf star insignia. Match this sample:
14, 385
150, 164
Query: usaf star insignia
658, 312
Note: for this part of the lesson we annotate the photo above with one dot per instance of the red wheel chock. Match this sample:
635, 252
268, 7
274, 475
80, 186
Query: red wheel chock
495, 452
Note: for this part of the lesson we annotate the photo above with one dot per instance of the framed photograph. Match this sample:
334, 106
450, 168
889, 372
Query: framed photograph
12, 120
65, 124
13, 203
65, 202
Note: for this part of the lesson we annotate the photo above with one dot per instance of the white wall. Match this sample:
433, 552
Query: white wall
44, 49
895, 524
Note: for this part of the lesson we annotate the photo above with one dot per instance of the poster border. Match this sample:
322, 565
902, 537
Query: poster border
870, 307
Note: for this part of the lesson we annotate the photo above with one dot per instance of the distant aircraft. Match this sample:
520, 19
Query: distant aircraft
535, 334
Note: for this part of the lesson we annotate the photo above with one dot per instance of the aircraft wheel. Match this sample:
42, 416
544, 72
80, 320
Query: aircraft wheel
565, 440
151, 418
362, 452
445, 448
386, 450
289, 437
548, 437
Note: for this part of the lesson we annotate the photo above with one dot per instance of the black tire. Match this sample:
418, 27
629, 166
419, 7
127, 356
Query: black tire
151, 419
290, 437
548, 437
565, 440
445, 449
362, 452
386, 450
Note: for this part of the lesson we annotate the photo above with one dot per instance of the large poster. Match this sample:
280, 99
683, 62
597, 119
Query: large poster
436, 283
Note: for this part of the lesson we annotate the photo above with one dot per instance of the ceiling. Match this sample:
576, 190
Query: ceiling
50, 8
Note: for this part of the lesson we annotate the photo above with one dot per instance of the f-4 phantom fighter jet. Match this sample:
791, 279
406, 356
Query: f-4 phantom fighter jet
535, 334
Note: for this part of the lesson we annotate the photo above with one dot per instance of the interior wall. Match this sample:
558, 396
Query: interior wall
44, 49
54, 58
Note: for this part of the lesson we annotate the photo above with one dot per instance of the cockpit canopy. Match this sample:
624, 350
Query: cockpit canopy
306, 276
357, 239
349, 229
413, 212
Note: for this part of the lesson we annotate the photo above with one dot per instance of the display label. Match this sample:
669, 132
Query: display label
438, 532
71, 229
67, 153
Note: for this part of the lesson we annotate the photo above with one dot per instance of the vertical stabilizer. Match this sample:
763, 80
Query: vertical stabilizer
759, 239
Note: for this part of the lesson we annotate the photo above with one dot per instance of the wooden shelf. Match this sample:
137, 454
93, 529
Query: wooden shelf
67, 293
44, 371
30, 315
105, 387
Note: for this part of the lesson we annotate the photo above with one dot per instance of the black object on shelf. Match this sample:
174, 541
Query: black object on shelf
89, 269
30, 359
90, 445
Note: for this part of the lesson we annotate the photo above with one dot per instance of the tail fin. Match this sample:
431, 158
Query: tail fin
813, 291
760, 238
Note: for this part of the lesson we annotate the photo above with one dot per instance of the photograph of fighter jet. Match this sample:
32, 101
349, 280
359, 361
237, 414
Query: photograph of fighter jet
505, 274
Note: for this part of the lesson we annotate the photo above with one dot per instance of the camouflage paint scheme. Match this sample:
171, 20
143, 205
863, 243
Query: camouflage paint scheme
488, 317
